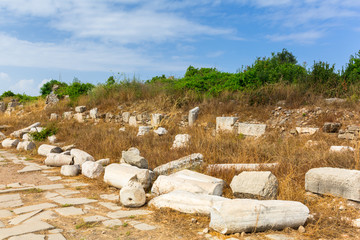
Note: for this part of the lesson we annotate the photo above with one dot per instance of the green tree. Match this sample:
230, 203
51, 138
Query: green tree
352, 71
8, 94
110, 81
47, 87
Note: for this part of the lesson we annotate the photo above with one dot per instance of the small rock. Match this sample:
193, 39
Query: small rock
301, 229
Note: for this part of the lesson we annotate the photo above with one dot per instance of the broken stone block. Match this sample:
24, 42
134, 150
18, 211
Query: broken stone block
26, 145
80, 156
79, 117
161, 131
225, 124
58, 160
132, 121
192, 161
341, 149
331, 127
68, 115
193, 115
45, 149
80, 109
156, 119
10, 143
70, 170
54, 117
255, 184
306, 130
181, 140
251, 129
132, 195
143, 130
94, 113
132, 157
125, 117
104, 162
92, 169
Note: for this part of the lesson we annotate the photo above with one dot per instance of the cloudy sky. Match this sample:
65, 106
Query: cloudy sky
93, 39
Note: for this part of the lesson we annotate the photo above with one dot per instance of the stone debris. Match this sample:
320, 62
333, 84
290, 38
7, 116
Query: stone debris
93, 113
255, 184
143, 130
339, 182
26, 146
186, 202
306, 130
160, 131
248, 215
104, 162
45, 149
350, 133
54, 117
52, 139
80, 109
10, 143
156, 119
58, 160
125, 117
193, 115
341, 149
132, 121
68, 115
80, 156
251, 129
331, 127
181, 141
192, 161
132, 157
132, 195
2, 136
25, 228
92, 169
241, 166
225, 124
70, 170
126, 214
21, 132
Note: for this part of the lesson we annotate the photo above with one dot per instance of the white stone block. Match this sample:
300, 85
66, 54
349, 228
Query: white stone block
192, 161
10, 143
58, 160
80, 156
45, 149
132, 195
92, 169
225, 124
193, 115
181, 141
251, 129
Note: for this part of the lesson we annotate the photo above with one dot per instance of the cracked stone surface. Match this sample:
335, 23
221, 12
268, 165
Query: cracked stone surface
69, 211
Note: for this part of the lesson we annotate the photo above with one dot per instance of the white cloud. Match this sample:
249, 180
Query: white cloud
27, 86
303, 37
4, 77
215, 54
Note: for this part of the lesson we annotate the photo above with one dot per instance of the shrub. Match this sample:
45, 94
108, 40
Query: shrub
47, 87
44, 133
352, 71
7, 94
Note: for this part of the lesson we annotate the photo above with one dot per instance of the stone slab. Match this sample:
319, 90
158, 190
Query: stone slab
2, 224
30, 168
5, 213
19, 219
278, 237
11, 204
73, 201
110, 205
54, 178
34, 207
141, 226
125, 214
56, 236
45, 215
110, 197
69, 211
24, 229
96, 218
30, 236
66, 192
9, 197
112, 223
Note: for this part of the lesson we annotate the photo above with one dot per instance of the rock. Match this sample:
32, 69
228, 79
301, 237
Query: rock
301, 229
68, 115
122, 129
193, 115
94, 113
79, 117
21, 132
104, 162
156, 119
330, 127
186, 202
251, 129
339, 182
125, 117
306, 130
108, 117
51, 99
248, 215
58, 160
225, 124
132, 157
118, 175
253, 184
161, 131
52, 139
80, 109
240, 166
192, 161
10, 143
80, 156
132, 121
54, 117
341, 149
132, 195
2, 107
70, 170
192, 182
334, 100
2, 136
26, 145
45, 149
143, 130
181, 140
27, 137
91, 169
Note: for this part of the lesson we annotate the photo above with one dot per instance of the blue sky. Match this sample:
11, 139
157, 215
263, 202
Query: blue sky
93, 39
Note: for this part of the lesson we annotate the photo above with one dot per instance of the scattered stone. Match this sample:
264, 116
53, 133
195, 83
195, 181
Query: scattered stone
19, 219
253, 184
26, 146
186, 202
339, 182
5, 213
122, 129
80, 109
10, 143
181, 141
126, 214
156, 119
52, 139
25, 228
70, 170
104, 162
192, 161
161, 131
94, 113
306, 130
68, 115
110, 197
250, 129
125, 117
341, 149
54, 117
132, 195
225, 124
301, 229
58, 160
330, 127
31, 208
143, 130
96, 218
132, 157
92, 169
73, 201
248, 215
112, 223
45, 149
80, 156
132, 121
30, 236
193, 115
79, 117
21, 132
241, 166
141, 226
57, 236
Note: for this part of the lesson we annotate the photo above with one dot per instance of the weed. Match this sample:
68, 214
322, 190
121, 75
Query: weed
66, 205
125, 224
86, 225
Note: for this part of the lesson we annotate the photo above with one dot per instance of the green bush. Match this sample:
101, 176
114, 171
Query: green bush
44, 133
352, 71
8, 94
47, 87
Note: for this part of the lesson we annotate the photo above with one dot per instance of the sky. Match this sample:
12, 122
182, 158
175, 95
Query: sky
91, 40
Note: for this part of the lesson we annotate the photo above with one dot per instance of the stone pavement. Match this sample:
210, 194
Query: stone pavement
61, 210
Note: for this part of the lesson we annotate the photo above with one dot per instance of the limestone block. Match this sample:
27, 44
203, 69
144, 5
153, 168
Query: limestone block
125, 117
58, 160
68, 115
192, 161
307, 130
132, 121
80, 109
10, 143
79, 117
225, 124
186, 202
248, 215
143, 130
118, 175
45, 149
94, 113
132, 195
80, 156
70, 170
181, 140
331, 127
161, 131
54, 116
339, 182
104, 162
341, 149
156, 119
21, 132
132, 157
193, 115
255, 184
26, 145
91, 169
251, 129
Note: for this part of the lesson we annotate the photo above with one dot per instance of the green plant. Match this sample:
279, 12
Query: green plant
47, 87
44, 133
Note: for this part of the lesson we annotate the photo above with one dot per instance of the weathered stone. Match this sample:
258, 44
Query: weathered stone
52, 139
306, 130
118, 175
225, 124
2, 107
132, 195
132, 121
251, 129
141, 226
58, 160
240, 166
110, 205
253, 184
125, 117
19, 219
125, 214
29, 236
181, 140
330, 127
80, 109
56, 236
110, 197
160, 131
21, 132
79, 117
27, 137
341, 149
94, 113
143, 130
80, 156
336, 181
193, 115
92, 169
68, 115
26, 145
30, 168
192, 161
73, 201
25, 228
132, 157
10, 143
112, 223
70, 170
54, 117
248, 215
186, 202
31, 208
104, 162
156, 119
2, 136
5, 213
45, 149
334, 100
96, 218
